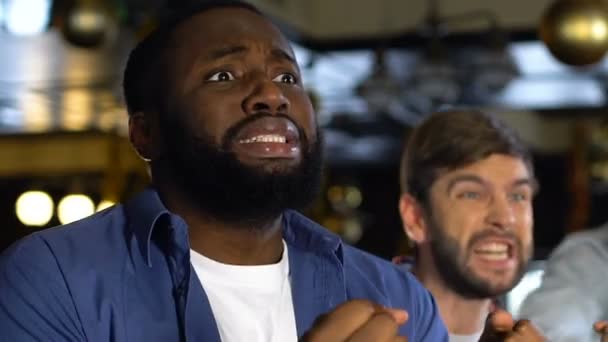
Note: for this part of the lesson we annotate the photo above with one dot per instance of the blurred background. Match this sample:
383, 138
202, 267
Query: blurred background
373, 69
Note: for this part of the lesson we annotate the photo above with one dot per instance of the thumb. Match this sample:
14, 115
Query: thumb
400, 316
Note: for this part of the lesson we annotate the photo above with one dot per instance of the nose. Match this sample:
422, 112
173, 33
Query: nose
500, 214
266, 96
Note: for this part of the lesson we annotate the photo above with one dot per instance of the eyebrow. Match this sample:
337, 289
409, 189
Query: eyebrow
464, 178
239, 49
532, 183
282, 54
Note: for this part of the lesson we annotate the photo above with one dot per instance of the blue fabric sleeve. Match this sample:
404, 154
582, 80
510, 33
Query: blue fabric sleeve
429, 326
35, 302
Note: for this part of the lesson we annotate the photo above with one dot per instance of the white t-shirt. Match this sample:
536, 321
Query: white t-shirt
465, 338
249, 303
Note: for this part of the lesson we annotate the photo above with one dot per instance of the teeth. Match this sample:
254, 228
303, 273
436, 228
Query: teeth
493, 247
495, 256
265, 138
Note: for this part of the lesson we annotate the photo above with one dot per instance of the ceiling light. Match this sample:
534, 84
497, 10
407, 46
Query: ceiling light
74, 207
34, 208
26, 17
104, 204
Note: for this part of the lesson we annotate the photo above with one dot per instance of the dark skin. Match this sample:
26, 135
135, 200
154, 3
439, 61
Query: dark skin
221, 80
228, 64
502, 327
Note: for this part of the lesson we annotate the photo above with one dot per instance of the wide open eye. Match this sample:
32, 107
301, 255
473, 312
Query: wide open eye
286, 78
221, 76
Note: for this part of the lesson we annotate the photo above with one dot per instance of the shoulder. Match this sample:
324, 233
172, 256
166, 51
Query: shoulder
588, 245
395, 282
35, 298
597, 235
372, 277
366, 275
369, 277
78, 241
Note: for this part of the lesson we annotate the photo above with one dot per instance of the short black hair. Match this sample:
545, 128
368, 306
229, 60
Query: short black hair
144, 77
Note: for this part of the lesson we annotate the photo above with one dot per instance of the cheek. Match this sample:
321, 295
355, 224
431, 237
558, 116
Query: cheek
456, 224
212, 116
525, 223
303, 112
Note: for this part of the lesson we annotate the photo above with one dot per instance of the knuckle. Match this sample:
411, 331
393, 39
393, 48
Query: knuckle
522, 325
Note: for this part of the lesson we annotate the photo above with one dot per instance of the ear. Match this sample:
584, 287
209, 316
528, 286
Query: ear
413, 219
143, 134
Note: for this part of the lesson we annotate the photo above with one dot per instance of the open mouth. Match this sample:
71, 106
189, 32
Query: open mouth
269, 137
495, 251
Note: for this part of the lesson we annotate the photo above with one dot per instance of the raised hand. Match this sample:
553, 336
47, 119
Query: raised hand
502, 327
601, 328
358, 320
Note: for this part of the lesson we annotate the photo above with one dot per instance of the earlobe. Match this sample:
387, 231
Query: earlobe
141, 136
412, 217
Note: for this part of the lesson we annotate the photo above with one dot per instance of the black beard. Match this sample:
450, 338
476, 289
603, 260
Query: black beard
450, 263
227, 190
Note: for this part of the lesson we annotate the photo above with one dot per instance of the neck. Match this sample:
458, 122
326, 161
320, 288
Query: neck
254, 243
462, 316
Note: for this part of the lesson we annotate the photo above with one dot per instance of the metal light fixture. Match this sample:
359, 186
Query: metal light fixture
576, 31
88, 23
434, 81
489, 68
380, 89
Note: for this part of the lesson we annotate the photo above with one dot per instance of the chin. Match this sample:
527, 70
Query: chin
274, 166
497, 288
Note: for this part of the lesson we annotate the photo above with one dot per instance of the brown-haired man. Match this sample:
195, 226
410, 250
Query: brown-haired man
467, 188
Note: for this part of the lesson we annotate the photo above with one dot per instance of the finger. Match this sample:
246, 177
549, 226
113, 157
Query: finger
601, 326
343, 321
400, 339
525, 330
400, 316
501, 321
523, 326
381, 327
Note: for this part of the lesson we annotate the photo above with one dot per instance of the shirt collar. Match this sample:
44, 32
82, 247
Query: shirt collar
143, 212
146, 209
303, 233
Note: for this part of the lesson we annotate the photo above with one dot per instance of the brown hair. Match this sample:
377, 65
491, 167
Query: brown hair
448, 140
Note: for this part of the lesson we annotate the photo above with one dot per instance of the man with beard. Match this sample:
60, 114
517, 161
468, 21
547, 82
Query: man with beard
213, 251
467, 189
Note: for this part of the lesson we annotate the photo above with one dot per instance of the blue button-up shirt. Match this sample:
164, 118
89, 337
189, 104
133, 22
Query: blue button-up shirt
124, 274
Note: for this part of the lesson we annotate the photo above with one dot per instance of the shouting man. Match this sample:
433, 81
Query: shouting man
467, 189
